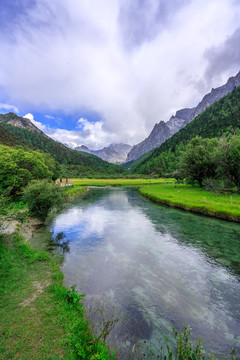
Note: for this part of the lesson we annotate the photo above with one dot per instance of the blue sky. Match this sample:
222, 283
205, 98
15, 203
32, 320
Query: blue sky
95, 72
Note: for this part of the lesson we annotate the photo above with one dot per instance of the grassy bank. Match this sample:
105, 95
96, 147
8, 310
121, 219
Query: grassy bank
40, 318
195, 199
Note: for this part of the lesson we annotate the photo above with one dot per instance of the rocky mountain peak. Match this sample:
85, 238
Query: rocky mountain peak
19, 121
114, 153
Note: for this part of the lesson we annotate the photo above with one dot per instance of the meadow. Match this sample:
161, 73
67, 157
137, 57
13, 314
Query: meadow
119, 182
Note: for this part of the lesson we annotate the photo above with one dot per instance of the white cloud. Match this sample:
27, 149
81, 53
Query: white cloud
8, 107
29, 116
89, 134
71, 55
36, 123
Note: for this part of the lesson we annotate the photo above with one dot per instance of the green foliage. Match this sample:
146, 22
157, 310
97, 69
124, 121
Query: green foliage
212, 162
229, 159
18, 167
185, 348
73, 297
198, 161
42, 196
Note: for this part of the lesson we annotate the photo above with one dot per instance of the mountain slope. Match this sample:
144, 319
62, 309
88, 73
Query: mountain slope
219, 119
8, 139
114, 153
87, 163
162, 131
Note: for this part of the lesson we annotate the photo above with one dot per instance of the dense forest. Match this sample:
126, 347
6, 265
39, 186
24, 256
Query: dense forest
219, 120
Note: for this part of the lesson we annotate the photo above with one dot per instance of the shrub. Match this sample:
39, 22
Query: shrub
41, 196
18, 167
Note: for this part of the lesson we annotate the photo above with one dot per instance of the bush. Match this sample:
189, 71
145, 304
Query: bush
41, 196
18, 167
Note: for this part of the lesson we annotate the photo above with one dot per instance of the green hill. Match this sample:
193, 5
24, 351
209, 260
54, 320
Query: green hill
73, 163
220, 119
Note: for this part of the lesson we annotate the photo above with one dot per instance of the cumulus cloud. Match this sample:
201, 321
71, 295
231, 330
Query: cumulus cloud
38, 124
90, 134
132, 62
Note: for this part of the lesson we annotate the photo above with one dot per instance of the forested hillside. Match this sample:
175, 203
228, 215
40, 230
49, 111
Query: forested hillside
6, 138
219, 120
73, 163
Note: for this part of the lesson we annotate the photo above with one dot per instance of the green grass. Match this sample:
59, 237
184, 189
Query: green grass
195, 199
74, 190
118, 182
40, 318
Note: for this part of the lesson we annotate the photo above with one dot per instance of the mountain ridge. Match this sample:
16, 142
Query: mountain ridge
181, 119
114, 153
219, 120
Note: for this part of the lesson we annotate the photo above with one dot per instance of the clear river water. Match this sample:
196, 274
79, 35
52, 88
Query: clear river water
150, 267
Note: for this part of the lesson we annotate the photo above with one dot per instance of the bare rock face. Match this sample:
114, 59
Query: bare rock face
114, 153
162, 131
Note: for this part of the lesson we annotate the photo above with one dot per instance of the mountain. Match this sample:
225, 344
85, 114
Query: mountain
73, 163
162, 131
20, 122
114, 153
220, 119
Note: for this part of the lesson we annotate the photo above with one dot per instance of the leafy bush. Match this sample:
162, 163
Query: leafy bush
18, 167
42, 196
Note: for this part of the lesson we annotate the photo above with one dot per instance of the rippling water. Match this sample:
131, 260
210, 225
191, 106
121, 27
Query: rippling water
156, 266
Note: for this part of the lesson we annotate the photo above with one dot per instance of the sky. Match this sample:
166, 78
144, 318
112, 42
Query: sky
90, 72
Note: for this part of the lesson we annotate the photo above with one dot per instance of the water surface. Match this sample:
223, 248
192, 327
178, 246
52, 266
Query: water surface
157, 267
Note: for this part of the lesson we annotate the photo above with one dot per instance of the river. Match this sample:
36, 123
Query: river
150, 267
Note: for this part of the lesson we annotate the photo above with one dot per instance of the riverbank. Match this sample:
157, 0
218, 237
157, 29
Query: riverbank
39, 316
75, 190
195, 199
